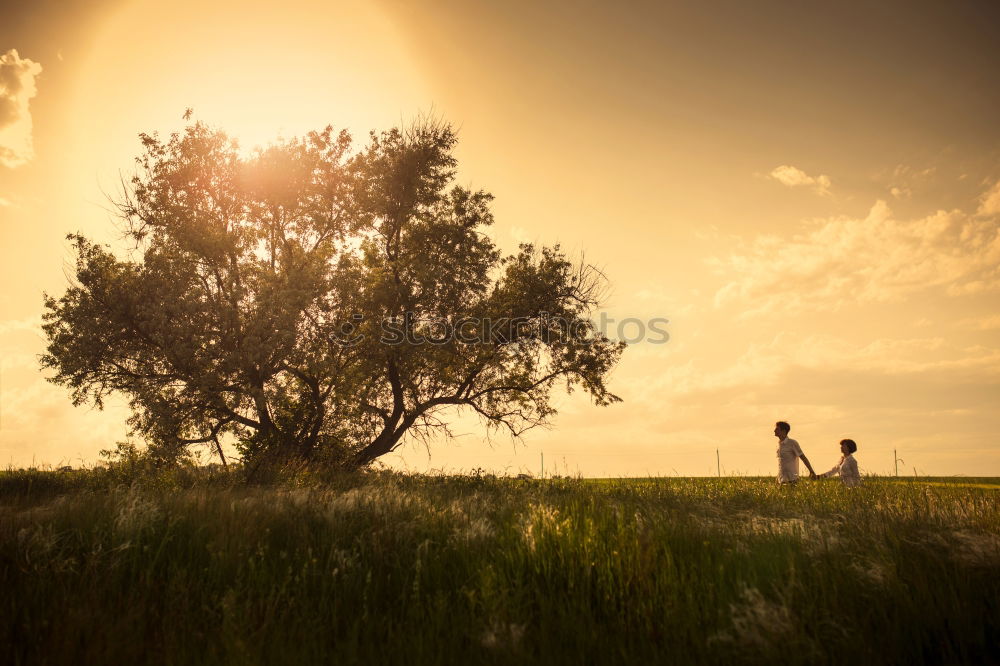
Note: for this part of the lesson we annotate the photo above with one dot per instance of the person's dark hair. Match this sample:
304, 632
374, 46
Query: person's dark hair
851, 446
783, 425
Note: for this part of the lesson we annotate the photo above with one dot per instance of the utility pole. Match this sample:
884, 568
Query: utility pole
896, 461
543, 464
718, 463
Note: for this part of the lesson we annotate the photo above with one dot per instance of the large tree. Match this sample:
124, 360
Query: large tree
317, 302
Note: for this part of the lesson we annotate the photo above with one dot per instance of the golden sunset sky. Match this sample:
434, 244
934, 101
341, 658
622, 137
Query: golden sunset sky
809, 193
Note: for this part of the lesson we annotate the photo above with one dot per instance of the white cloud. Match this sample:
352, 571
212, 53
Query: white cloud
19, 361
989, 203
29, 324
766, 368
904, 180
520, 235
988, 323
795, 177
17, 87
657, 302
39, 424
873, 259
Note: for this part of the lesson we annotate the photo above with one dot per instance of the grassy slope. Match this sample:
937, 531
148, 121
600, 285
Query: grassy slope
400, 569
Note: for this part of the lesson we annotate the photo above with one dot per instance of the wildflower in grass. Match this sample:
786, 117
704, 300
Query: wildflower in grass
475, 529
36, 543
874, 571
757, 622
502, 635
542, 520
343, 561
815, 536
136, 512
377, 500
974, 548
299, 497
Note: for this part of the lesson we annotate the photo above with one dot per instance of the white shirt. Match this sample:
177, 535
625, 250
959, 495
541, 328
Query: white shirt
788, 460
847, 468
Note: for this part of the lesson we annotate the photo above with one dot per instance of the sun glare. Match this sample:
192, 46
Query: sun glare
293, 70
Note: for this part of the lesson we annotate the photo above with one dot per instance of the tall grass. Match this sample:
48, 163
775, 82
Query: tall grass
396, 569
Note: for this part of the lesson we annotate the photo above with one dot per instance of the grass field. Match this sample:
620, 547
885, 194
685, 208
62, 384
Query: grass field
97, 567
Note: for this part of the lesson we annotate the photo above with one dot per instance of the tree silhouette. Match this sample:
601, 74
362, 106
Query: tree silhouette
317, 303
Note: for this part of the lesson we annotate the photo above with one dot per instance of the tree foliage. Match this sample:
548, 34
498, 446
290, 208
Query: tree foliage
318, 302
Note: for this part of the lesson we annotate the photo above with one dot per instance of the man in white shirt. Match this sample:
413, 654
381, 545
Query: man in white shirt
789, 453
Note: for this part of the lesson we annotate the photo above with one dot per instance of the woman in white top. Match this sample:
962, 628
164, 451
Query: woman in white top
847, 468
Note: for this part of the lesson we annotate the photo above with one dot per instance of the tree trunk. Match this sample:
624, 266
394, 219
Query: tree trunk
218, 449
276, 452
388, 439
380, 446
